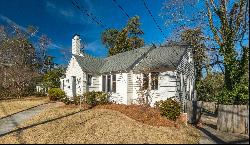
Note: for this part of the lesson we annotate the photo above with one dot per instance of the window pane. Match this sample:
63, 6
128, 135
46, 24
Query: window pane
103, 83
145, 81
154, 80
89, 82
109, 83
114, 83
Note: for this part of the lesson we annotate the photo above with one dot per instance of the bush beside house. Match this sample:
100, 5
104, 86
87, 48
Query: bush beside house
169, 108
95, 98
56, 94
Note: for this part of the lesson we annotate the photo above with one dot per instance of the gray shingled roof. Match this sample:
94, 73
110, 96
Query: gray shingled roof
149, 57
90, 64
162, 56
123, 61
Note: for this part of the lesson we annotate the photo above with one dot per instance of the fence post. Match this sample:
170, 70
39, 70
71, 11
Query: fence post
194, 110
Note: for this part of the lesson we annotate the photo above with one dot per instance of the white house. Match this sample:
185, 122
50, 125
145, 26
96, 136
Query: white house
166, 71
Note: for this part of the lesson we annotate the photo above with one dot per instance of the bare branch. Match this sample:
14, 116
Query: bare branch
215, 32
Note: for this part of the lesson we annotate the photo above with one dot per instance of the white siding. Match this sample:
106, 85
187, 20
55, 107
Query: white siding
166, 87
74, 69
130, 87
121, 89
167, 84
136, 87
95, 84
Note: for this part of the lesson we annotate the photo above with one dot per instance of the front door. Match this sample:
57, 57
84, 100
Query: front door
73, 86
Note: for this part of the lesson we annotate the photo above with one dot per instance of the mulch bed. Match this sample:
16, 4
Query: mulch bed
147, 115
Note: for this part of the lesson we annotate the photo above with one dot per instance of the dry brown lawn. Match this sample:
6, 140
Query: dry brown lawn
8, 107
68, 125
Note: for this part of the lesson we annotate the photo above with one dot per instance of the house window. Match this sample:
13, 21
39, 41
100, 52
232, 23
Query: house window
114, 83
108, 83
154, 80
89, 82
145, 81
104, 83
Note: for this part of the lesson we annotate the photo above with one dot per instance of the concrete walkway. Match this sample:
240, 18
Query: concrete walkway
210, 134
11, 122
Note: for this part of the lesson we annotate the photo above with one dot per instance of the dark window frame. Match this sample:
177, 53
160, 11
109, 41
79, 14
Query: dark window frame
104, 83
145, 81
89, 80
114, 83
109, 83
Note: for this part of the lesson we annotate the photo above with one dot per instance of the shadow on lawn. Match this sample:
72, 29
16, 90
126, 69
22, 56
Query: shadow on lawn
19, 130
2, 108
211, 135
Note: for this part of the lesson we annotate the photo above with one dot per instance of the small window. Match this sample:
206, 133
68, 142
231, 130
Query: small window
154, 80
89, 82
108, 83
114, 83
145, 81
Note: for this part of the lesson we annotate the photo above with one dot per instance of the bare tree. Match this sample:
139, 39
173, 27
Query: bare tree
225, 25
17, 56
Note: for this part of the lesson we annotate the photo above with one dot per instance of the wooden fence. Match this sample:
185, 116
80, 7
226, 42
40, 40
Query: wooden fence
233, 118
230, 118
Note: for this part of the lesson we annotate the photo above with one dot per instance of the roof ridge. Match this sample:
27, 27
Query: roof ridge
135, 49
88, 55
